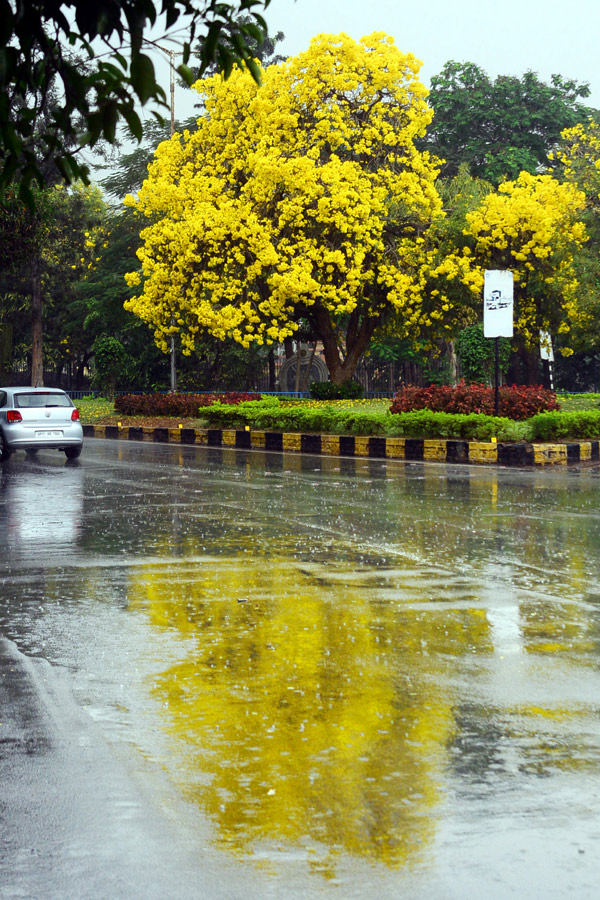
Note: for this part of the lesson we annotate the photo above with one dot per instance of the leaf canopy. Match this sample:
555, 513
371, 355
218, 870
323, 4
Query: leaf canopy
501, 126
97, 53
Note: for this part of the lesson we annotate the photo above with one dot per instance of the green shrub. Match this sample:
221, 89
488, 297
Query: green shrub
553, 426
327, 390
269, 415
329, 420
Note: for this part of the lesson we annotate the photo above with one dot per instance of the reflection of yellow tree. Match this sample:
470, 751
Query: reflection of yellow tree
310, 713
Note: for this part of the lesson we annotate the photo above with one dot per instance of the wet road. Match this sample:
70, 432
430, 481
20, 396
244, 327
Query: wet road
228, 674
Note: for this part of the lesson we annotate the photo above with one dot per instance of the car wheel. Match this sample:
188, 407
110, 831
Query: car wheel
73, 452
4, 451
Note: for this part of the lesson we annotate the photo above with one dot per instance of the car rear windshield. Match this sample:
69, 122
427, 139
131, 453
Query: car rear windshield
40, 399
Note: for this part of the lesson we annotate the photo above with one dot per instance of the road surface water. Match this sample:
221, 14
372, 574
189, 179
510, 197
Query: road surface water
236, 674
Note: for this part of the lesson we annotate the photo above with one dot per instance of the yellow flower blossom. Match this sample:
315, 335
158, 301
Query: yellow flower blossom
288, 200
532, 227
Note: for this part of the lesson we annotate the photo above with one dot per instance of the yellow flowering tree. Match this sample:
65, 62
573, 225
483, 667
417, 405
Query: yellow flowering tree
533, 227
305, 198
579, 159
579, 162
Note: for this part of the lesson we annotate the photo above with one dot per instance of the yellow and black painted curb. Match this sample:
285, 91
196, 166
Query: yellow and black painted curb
410, 449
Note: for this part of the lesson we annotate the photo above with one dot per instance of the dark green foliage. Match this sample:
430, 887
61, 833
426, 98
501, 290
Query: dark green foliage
46, 253
561, 426
128, 170
217, 365
327, 390
477, 355
499, 127
260, 44
110, 361
97, 309
113, 36
579, 372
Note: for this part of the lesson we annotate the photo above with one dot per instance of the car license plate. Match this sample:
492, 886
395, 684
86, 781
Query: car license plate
49, 434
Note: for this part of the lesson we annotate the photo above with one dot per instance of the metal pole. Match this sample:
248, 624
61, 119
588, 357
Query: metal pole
172, 351
173, 367
496, 397
172, 60
171, 55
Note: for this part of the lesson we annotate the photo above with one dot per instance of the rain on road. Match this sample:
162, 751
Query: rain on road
234, 674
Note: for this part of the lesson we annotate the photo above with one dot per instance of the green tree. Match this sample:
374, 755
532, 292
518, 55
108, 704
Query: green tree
128, 170
96, 311
110, 363
48, 248
503, 126
262, 47
118, 74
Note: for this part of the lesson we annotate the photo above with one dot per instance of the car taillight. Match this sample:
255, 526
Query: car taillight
75, 415
13, 415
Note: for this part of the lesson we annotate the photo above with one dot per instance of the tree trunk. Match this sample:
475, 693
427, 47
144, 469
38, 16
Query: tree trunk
271, 368
37, 362
453, 361
358, 335
58, 373
306, 378
524, 368
80, 371
6, 353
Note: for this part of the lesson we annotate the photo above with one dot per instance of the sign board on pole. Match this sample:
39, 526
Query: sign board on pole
546, 351
498, 300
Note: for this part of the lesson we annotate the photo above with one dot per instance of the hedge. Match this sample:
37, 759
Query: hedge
184, 405
270, 416
327, 390
557, 426
517, 402
329, 420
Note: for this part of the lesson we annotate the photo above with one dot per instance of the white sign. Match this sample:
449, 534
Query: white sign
546, 351
498, 299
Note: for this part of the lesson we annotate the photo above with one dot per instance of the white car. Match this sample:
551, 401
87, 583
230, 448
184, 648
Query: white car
33, 419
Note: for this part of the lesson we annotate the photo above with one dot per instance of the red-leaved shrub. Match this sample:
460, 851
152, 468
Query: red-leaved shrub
182, 405
516, 402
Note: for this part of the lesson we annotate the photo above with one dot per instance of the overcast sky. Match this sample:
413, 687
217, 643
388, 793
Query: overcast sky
505, 38
508, 37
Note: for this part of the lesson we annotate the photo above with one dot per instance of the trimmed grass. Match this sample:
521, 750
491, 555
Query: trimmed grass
578, 402
94, 410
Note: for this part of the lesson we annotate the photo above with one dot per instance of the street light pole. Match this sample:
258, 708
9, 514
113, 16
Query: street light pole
172, 67
171, 55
